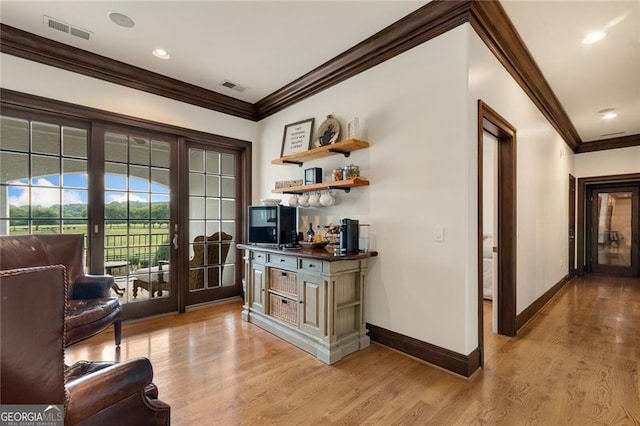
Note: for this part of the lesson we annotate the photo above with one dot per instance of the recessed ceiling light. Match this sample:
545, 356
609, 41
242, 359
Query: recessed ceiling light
594, 37
608, 113
161, 53
121, 19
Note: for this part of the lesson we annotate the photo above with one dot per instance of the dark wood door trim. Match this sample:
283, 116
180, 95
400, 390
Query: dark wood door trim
25, 102
492, 122
572, 226
583, 186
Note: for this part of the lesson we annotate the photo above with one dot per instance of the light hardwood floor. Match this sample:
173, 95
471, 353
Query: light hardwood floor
576, 363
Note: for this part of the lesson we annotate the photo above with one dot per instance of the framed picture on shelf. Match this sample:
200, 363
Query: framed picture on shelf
297, 137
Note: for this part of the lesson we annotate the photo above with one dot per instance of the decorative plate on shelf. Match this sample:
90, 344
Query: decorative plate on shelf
328, 132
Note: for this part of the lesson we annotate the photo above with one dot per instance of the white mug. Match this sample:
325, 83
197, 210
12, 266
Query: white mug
303, 200
293, 201
314, 200
327, 199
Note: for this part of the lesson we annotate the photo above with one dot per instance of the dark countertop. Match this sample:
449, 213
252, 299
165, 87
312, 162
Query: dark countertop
310, 253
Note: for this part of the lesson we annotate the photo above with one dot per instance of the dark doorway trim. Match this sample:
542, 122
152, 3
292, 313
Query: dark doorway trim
572, 227
493, 123
584, 185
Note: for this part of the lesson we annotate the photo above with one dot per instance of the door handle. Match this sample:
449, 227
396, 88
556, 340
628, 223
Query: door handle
175, 241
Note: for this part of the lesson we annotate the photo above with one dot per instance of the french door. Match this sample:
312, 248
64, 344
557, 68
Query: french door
134, 217
613, 223
169, 244
214, 206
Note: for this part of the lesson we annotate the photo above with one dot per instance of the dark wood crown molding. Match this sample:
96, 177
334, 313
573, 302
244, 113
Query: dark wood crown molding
494, 27
430, 21
487, 18
613, 143
39, 49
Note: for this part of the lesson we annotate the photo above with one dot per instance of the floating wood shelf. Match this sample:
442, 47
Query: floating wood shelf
344, 185
343, 147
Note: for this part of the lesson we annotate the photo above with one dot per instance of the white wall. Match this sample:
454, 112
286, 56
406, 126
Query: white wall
609, 162
412, 110
544, 162
31, 77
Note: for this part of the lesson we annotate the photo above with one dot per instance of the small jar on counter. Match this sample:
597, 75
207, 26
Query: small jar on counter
337, 175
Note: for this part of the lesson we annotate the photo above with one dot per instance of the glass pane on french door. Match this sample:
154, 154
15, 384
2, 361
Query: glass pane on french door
614, 228
615, 223
43, 178
137, 219
212, 225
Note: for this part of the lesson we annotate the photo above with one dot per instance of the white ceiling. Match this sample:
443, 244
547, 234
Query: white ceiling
264, 45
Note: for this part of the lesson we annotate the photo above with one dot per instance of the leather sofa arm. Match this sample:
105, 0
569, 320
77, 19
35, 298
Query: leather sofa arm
101, 389
92, 286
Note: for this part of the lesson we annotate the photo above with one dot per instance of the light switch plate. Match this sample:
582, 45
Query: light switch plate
438, 233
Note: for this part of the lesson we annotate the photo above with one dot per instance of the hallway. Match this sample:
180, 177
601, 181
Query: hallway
576, 363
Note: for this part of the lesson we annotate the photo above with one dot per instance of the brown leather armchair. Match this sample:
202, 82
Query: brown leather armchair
32, 368
90, 307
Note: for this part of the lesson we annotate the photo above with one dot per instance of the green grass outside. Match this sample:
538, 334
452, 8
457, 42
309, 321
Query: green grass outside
139, 244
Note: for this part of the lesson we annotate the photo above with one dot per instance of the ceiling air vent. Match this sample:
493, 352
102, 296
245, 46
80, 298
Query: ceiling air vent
230, 85
58, 25
614, 133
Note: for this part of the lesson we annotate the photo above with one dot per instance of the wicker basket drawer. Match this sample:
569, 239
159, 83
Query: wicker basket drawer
284, 281
283, 309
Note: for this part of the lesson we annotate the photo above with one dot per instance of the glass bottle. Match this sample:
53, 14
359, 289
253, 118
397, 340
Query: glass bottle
310, 234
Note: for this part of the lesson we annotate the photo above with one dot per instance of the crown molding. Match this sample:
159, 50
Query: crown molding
430, 21
613, 143
487, 18
39, 49
491, 23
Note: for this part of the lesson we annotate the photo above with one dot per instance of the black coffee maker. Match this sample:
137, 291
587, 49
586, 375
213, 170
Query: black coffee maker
349, 236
